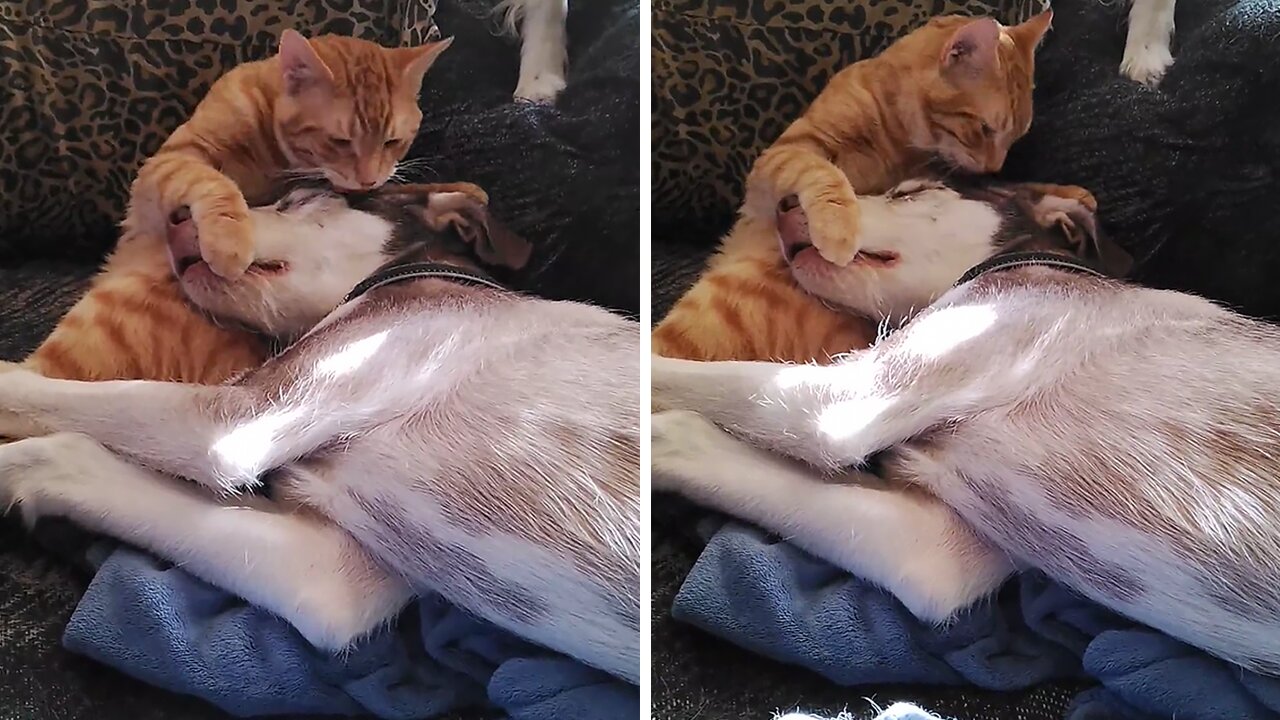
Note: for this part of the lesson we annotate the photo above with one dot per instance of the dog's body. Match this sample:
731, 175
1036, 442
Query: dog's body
427, 435
544, 52
1147, 47
1121, 439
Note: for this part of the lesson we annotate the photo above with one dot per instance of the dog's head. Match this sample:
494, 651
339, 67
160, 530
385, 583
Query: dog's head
918, 239
314, 245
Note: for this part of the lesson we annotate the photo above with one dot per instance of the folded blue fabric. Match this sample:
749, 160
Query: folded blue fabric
774, 599
165, 627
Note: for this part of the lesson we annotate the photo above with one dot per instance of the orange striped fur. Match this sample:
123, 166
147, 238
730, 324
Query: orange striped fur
959, 88
134, 324
332, 106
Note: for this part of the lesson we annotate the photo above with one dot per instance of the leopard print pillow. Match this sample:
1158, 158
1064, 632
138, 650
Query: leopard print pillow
728, 77
91, 88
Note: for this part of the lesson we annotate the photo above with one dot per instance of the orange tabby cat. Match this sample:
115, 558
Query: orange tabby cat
332, 106
337, 107
958, 89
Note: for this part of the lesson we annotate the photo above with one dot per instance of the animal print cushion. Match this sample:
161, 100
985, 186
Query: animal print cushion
729, 76
90, 88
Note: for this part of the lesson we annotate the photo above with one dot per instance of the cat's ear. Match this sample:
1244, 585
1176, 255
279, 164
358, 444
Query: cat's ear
300, 67
418, 60
971, 51
1027, 36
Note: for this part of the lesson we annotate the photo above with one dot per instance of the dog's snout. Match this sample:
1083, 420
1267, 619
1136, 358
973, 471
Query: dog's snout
183, 239
793, 227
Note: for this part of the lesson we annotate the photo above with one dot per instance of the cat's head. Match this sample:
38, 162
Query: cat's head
348, 108
974, 80
314, 246
919, 239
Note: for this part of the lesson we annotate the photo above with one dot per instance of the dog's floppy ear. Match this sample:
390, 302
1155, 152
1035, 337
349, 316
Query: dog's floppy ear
469, 215
1108, 255
1094, 245
1080, 225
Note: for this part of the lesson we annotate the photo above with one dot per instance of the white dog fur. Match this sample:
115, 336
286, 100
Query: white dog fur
1121, 439
481, 444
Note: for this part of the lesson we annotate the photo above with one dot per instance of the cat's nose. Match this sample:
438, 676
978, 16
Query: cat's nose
793, 227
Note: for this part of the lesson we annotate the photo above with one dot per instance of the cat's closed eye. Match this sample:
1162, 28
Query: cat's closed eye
393, 142
340, 142
987, 130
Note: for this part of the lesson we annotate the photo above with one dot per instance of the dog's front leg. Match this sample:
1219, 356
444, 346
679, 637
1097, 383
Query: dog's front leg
829, 416
943, 366
223, 437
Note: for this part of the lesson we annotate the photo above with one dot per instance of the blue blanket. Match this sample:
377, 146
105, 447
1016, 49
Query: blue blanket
165, 627
774, 599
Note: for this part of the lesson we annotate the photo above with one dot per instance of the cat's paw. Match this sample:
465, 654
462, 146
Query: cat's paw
542, 87
35, 471
1146, 63
226, 238
832, 225
681, 442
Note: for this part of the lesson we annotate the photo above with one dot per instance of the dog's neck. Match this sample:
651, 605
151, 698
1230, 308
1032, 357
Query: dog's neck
420, 270
1063, 261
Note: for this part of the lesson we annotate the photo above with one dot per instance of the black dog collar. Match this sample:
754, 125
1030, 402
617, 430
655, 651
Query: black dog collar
419, 270
1026, 259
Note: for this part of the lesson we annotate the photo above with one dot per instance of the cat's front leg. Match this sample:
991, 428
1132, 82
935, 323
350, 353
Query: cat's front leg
904, 541
819, 187
177, 182
310, 573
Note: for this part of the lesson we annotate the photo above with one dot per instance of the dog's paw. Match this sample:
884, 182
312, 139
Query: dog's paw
680, 442
540, 88
35, 472
1146, 63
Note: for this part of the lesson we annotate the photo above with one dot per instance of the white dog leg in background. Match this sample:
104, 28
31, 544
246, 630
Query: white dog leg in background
544, 52
310, 573
906, 542
1147, 53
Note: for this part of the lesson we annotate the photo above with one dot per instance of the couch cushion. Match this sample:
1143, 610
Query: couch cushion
92, 87
33, 297
728, 77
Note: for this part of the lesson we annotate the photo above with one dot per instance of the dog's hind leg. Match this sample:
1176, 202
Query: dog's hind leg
904, 541
543, 48
308, 572
1147, 53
